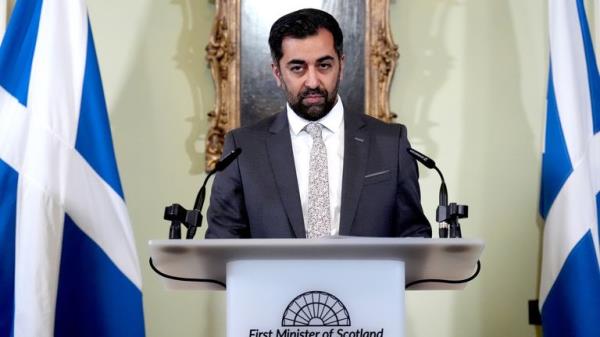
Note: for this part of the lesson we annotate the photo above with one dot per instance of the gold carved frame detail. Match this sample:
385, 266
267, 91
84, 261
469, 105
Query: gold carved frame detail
223, 56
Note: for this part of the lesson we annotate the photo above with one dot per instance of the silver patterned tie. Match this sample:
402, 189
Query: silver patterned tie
318, 186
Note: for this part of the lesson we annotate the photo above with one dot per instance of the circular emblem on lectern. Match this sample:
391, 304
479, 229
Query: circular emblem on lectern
316, 308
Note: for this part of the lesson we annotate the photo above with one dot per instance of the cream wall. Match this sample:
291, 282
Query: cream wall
470, 85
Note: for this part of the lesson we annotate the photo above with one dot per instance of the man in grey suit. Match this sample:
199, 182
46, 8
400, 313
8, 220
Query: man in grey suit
318, 168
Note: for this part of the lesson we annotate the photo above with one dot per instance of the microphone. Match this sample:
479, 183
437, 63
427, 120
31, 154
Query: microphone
429, 163
192, 219
223, 163
446, 215
423, 159
219, 166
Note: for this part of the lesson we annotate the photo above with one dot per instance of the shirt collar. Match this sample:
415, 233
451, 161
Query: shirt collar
332, 121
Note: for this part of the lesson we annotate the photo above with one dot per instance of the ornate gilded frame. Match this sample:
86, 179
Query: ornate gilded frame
223, 57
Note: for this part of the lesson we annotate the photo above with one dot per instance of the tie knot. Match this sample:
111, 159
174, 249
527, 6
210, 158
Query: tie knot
314, 129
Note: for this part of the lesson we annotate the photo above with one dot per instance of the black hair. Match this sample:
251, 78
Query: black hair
303, 23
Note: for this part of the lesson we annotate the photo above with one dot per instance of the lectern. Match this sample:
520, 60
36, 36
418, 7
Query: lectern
342, 287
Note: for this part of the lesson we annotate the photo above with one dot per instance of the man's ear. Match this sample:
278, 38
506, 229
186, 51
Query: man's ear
276, 73
342, 63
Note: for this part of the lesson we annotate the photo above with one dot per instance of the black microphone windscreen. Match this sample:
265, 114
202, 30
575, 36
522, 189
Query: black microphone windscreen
223, 163
423, 159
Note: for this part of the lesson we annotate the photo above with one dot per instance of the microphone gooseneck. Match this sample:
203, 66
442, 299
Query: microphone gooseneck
447, 215
192, 219
219, 166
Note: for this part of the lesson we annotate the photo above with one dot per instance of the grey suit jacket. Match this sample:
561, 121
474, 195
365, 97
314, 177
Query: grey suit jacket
257, 195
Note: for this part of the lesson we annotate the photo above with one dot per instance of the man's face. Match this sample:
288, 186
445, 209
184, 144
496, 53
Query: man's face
309, 72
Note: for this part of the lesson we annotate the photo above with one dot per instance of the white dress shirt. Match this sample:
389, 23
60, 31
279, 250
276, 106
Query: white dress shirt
333, 136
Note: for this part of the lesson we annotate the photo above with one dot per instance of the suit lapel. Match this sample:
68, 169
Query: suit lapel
279, 148
356, 145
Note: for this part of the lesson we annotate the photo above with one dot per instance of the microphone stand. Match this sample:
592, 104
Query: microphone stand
192, 219
446, 214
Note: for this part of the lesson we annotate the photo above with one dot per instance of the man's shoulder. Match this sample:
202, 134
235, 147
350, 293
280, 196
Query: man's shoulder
261, 127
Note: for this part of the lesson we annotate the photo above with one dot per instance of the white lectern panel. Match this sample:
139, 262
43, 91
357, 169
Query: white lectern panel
318, 298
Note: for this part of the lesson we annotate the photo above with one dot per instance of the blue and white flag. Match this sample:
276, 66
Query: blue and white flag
68, 264
570, 194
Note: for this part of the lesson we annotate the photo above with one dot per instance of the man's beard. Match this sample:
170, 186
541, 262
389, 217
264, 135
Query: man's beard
312, 112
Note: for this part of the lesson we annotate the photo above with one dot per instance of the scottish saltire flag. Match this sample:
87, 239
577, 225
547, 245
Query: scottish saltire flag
68, 265
570, 194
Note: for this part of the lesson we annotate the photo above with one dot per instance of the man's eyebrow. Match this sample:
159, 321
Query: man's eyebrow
325, 58
302, 62
295, 61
